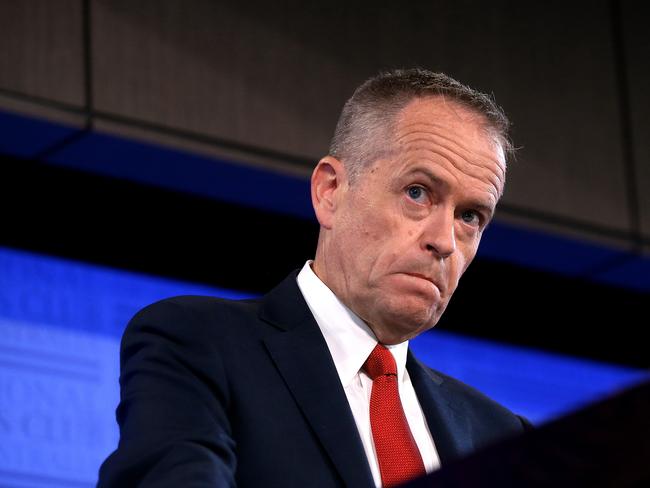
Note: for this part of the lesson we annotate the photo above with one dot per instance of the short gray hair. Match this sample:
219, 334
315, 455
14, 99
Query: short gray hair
367, 119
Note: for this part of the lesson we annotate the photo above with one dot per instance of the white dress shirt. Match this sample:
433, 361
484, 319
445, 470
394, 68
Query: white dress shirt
350, 342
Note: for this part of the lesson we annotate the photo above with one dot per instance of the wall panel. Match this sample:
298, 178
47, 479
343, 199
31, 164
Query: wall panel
558, 84
637, 50
275, 76
41, 52
271, 78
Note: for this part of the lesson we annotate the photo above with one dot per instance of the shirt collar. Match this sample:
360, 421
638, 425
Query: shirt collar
348, 337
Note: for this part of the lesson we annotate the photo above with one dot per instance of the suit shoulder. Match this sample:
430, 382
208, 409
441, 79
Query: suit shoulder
478, 405
467, 392
201, 302
198, 306
193, 315
491, 420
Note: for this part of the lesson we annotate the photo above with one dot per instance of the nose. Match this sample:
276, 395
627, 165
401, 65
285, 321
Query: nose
439, 234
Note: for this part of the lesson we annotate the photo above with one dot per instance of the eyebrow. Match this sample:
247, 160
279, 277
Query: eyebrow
488, 209
429, 174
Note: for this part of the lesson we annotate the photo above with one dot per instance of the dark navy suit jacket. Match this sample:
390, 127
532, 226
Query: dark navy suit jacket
222, 393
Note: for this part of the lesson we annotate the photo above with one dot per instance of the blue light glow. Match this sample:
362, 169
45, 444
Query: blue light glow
60, 326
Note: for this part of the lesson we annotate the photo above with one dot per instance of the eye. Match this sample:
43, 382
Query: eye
471, 217
416, 193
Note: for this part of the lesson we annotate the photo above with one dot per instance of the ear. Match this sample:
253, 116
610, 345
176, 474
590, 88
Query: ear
328, 183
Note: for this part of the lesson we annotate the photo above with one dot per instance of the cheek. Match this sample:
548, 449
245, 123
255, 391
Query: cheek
370, 229
377, 237
359, 243
459, 266
362, 239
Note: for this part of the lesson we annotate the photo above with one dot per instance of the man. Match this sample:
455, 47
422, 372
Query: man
313, 385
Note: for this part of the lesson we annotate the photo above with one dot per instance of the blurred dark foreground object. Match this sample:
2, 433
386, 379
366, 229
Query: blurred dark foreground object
605, 445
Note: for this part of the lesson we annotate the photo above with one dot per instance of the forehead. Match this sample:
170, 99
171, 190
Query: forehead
445, 114
457, 138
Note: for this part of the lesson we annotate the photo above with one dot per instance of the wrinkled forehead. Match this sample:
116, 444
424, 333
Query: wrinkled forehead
448, 116
446, 112
455, 131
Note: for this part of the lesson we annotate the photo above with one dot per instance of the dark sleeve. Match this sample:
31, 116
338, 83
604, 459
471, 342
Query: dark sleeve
526, 424
174, 427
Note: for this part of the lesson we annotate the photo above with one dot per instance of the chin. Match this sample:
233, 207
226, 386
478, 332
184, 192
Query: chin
399, 325
415, 312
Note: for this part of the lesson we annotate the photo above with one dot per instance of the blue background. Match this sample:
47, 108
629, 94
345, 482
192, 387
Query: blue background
60, 326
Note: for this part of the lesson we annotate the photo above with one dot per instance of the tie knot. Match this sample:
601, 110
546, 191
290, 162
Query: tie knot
380, 362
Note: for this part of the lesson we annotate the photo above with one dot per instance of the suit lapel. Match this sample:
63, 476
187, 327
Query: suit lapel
303, 359
448, 427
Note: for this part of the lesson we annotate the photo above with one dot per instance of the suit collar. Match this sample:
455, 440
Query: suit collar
303, 359
442, 406
448, 426
284, 307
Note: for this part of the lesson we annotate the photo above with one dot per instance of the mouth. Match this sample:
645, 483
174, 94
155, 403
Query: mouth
426, 278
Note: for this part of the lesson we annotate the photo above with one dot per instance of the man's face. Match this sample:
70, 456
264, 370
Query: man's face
405, 231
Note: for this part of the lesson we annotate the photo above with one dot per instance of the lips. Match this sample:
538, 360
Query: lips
427, 278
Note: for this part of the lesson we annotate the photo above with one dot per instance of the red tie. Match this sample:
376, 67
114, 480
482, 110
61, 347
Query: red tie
398, 454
